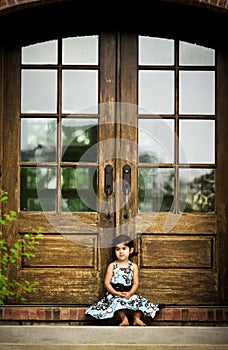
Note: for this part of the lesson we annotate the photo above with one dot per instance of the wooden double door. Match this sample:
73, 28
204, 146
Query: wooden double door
89, 175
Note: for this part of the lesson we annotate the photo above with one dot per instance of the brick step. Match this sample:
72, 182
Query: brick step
112, 337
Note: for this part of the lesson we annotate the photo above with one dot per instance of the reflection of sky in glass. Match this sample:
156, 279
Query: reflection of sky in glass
156, 92
80, 50
197, 139
80, 91
39, 91
195, 55
156, 140
156, 51
41, 53
197, 92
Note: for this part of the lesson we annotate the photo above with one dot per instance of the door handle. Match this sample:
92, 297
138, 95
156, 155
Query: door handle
126, 187
108, 187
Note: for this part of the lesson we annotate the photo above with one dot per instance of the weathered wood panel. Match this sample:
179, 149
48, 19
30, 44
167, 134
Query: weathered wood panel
176, 251
158, 223
63, 285
179, 286
58, 222
60, 250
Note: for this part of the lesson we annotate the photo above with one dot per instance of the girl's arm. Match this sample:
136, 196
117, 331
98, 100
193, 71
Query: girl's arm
135, 279
108, 279
135, 286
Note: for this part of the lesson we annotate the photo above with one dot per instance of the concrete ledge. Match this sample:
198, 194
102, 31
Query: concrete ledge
112, 347
95, 336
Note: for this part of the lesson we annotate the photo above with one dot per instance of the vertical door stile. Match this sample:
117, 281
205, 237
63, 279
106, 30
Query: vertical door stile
128, 132
107, 143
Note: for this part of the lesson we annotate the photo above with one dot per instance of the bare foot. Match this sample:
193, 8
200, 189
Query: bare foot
124, 322
138, 322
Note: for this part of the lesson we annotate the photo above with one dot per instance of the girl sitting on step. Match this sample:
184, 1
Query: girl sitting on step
121, 283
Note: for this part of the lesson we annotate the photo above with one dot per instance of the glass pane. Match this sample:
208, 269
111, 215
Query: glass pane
79, 189
197, 92
80, 91
156, 92
79, 140
156, 51
80, 50
39, 91
197, 190
38, 140
195, 55
197, 141
41, 53
156, 140
156, 189
38, 189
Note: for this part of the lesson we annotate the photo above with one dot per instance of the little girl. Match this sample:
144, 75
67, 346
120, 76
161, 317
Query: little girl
121, 283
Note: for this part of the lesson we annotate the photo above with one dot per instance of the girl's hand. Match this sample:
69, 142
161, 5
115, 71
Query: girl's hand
125, 295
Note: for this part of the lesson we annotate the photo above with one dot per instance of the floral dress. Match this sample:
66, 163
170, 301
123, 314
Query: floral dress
106, 307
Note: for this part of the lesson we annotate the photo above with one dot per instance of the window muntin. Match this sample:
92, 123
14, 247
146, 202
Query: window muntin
192, 97
58, 86
164, 91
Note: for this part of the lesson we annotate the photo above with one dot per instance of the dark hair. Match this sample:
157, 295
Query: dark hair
128, 241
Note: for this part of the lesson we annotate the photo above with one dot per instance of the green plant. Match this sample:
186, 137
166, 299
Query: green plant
10, 256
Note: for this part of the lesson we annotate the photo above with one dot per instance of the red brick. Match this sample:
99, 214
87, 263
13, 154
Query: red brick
168, 314
16, 314
7, 314
65, 314
219, 315
185, 314
177, 314
193, 315
33, 313
202, 315
24, 313
40, 314
81, 314
73, 314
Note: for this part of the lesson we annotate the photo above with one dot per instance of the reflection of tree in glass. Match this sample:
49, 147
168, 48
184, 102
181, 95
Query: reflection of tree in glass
201, 196
156, 186
145, 157
41, 142
77, 140
78, 179
38, 188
